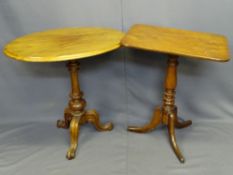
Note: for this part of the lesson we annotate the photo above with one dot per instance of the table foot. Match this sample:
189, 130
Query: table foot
67, 119
155, 121
172, 137
74, 132
92, 117
182, 124
61, 124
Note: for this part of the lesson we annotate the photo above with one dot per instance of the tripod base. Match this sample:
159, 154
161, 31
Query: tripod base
169, 119
88, 117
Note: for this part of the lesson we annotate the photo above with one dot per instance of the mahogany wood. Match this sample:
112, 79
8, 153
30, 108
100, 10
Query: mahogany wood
76, 115
67, 44
199, 45
167, 113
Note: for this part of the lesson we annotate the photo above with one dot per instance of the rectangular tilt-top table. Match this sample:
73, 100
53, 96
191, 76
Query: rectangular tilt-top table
174, 43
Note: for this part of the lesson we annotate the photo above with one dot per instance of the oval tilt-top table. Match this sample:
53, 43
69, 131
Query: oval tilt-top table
174, 43
68, 44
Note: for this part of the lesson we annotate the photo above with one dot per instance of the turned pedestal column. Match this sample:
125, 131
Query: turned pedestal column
76, 115
167, 113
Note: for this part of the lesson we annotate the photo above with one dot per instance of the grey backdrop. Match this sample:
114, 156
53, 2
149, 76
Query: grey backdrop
124, 86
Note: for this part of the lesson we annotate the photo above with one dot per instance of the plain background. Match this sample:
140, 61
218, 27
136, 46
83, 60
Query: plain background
123, 85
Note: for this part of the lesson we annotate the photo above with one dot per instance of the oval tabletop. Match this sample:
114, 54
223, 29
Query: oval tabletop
63, 44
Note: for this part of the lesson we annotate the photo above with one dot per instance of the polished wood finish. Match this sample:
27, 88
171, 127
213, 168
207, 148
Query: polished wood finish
68, 44
76, 115
174, 43
178, 42
63, 44
167, 113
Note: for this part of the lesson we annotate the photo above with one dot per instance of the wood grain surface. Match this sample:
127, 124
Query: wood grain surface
178, 42
63, 44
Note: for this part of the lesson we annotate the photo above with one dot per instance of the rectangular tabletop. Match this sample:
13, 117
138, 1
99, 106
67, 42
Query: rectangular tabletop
178, 42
